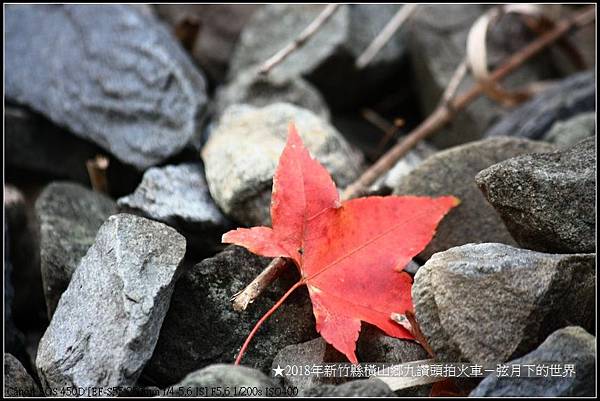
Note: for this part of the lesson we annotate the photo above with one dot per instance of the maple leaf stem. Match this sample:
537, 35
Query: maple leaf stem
265, 317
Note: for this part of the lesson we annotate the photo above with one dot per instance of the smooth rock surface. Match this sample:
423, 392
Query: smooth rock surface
243, 151
17, 382
258, 90
571, 345
108, 320
178, 196
548, 200
69, 217
490, 303
569, 132
201, 327
571, 96
327, 59
133, 91
437, 37
225, 380
452, 172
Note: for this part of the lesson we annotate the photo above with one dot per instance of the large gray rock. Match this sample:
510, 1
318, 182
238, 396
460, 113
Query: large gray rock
35, 144
489, 303
110, 74
452, 172
548, 201
108, 320
437, 36
571, 345
327, 59
209, 31
178, 196
571, 96
224, 380
250, 87
69, 217
201, 327
17, 382
243, 151
569, 132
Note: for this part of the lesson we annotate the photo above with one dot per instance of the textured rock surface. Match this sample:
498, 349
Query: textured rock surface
489, 303
573, 95
452, 172
547, 200
242, 154
178, 196
69, 217
250, 87
17, 382
313, 352
393, 178
108, 320
356, 388
35, 144
570, 132
218, 28
133, 91
571, 345
437, 36
221, 378
202, 328
327, 60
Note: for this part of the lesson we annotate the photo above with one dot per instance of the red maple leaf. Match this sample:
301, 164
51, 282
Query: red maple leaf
350, 255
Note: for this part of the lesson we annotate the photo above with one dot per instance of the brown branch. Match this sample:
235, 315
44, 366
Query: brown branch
437, 119
96, 168
300, 40
385, 35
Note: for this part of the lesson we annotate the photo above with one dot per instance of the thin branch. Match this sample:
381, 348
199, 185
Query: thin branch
436, 120
242, 299
454, 83
96, 169
300, 40
385, 35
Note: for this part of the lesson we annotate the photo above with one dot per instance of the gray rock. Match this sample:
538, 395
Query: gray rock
571, 96
17, 382
437, 36
571, 345
178, 196
243, 151
375, 346
35, 144
548, 201
452, 172
250, 87
212, 31
132, 90
108, 320
69, 217
490, 303
201, 327
356, 388
224, 380
313, 352
327, 59
393, 178
569, 132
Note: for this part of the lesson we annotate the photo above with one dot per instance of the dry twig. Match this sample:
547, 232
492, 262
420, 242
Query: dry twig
300, 40
96, 168
437, 119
